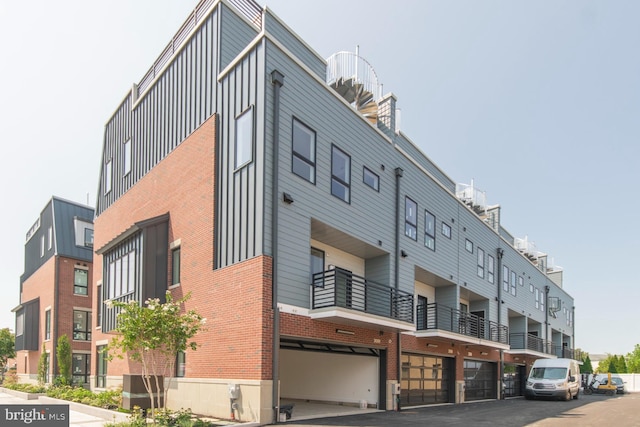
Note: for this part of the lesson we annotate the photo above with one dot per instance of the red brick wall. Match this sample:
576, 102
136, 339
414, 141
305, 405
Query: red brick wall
235, 300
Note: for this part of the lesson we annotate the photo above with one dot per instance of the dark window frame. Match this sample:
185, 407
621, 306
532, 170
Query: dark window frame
341, 182
245, 119
374, 177
505, 278
176, 260
80, 288
430, 235
514, 279
481, 261
47, 325
446, 233
84, 332
468, 245
295, 155
101, 366
85, 371
181, 364
410, 219
491, 268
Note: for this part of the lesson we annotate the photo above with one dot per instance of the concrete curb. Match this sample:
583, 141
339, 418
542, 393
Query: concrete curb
22, 394
105, 414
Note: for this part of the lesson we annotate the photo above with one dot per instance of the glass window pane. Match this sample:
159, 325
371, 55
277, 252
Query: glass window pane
244, 138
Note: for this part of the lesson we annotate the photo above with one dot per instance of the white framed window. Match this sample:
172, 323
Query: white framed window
480, 263
50, 233
505, 278
513, 282
244, 138
490, 268
42, 246
107, 177
126, 148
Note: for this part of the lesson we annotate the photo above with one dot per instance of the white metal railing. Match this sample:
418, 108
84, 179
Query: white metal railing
349, 65
471, 195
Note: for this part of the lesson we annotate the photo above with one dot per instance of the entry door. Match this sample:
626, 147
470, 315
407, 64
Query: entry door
478, 326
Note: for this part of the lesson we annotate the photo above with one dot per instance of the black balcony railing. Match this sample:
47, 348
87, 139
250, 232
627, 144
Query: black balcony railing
525, 341
339, 288
437, 316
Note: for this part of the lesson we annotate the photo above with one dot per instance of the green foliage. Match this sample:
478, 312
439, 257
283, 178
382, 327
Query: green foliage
26, 388
63, 352
7, 348
43, 367
153, 334
612, 367
586, 367
110, 399
633, 360
621, 365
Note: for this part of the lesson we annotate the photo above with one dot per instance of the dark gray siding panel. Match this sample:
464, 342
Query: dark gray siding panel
300, 50
30, 338
239, 217
32, 259
235, 35
64, 214
178, 102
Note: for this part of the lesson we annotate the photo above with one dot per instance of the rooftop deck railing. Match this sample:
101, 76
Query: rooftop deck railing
339, 288
438, 316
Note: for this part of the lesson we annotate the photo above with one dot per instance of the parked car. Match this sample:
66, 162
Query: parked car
617, 381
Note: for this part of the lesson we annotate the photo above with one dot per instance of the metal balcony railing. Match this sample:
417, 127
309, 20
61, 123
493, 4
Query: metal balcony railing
339, 288
437, 316
525, 341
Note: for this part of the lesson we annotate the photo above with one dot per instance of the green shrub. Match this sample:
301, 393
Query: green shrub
26, 388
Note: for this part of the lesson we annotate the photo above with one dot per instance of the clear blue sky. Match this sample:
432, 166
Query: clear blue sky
537, 101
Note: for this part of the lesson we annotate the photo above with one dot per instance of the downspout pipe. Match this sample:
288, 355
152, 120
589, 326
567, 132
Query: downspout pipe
546, 314
399, 172
277, 79
499, 255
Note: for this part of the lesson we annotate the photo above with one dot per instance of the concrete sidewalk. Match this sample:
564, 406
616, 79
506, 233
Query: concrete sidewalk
76, 419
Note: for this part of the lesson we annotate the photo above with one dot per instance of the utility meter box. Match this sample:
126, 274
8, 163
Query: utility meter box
395, 388
234, 391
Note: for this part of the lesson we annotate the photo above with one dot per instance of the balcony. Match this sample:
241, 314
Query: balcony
530, 344
437, 320
343, 297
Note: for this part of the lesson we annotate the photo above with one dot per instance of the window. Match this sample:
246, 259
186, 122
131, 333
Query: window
41, 246
80, 281
531, 287
127, 157
411, 218
446, 230
505, 278
481, 263
371, 179
513, 282
80, 367
542, 298
429, 230
175, 266
340, 174
304, 152
88, 237
47, 325
19, 324
244, 138
101, 371
50, 238
490, 268
81, 325
122, 275
107, 177
537, 298
317, 266
181, 364
521, 281
468, 245
99, 308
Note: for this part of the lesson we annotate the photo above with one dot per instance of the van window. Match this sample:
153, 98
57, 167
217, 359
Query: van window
549, 373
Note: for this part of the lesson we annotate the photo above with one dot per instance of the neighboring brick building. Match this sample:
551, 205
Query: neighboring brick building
55, 290
333, 261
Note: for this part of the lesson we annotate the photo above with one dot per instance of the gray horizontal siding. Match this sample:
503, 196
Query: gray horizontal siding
235, 35
420, 158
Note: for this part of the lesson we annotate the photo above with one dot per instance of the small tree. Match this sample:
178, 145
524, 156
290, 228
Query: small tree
586, 367
153, 335
64, 360
633, 360
7, 349
43, 367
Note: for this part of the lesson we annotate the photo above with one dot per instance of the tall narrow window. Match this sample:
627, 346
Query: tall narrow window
88, 237
244, 138
107, 177
181, 364
81, 325
101, 371
446, 230
429, 230
175, 266
80, 368
50, 238
126, 148
340, 174
490, 268
304, 152
410, 218
317, 267
371, 179
505, 278
481, 263
80, 281
99, 308
468, 245
41, 246
513, 282
537, 293
47, 325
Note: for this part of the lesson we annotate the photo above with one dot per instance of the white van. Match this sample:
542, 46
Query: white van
559, 378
